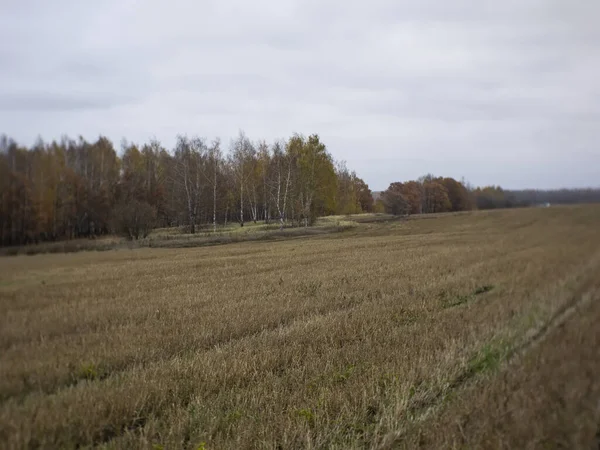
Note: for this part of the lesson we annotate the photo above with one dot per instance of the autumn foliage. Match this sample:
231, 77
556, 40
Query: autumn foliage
74, 188
427, 195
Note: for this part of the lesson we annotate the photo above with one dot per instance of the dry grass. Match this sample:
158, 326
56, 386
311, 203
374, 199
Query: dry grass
179, 238
547, 397
344, 340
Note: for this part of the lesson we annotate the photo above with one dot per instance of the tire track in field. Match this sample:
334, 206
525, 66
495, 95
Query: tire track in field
346, 303
582, 297
578, 299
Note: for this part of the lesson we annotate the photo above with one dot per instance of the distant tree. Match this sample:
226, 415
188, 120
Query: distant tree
74, 188
214, 157
133, 181
365, 196
492, 197
427, 195
379, 206
188, 172
434, 197
532, 197
281, 177
263, 172
347, 197
457, 194
134, 219
315, 178
240, 159
394, 200
413, 192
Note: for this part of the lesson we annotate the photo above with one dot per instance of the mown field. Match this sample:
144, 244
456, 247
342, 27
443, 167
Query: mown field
460, 331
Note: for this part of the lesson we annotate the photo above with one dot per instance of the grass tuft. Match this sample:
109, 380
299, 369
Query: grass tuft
462, 299
488, 358
483, 289
306, 415
87, 372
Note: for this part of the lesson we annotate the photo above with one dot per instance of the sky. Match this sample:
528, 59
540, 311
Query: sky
498, 92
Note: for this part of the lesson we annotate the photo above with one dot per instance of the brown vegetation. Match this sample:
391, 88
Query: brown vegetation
72, 189
373, 337
179, 238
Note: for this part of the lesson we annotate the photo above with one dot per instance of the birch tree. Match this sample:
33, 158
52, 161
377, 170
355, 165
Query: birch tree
211, 171
280, 181
75, 188
241, 150
188, 156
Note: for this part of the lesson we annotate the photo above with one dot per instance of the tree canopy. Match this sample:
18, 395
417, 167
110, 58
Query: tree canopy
75, 188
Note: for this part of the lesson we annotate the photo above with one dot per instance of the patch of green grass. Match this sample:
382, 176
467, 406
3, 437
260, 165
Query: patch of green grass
88, 372
462, 299
233, 416
449, 396
307, 415
488, 358
340, 377
483, 289
456, 301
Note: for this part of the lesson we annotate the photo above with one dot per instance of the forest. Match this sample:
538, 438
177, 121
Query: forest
430, 194
76, 188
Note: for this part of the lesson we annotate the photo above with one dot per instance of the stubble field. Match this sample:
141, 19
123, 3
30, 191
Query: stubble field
475, 329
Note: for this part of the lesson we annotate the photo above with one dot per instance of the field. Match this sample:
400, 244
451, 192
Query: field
459, 330
180, 238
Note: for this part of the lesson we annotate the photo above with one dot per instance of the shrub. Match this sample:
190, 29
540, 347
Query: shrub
134, 219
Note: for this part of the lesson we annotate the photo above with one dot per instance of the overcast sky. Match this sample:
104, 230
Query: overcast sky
500, 92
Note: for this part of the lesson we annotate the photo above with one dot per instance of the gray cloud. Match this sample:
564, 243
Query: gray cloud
497, 92
52, 102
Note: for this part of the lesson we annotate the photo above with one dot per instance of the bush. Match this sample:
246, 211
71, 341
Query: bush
134, 219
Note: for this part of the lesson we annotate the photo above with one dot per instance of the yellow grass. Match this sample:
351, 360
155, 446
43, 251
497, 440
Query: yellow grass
346, 340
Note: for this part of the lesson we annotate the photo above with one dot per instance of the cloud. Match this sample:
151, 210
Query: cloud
498, 92
52, 102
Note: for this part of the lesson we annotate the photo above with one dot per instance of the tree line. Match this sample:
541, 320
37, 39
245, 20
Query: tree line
430, 194
75, 188
492, 197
